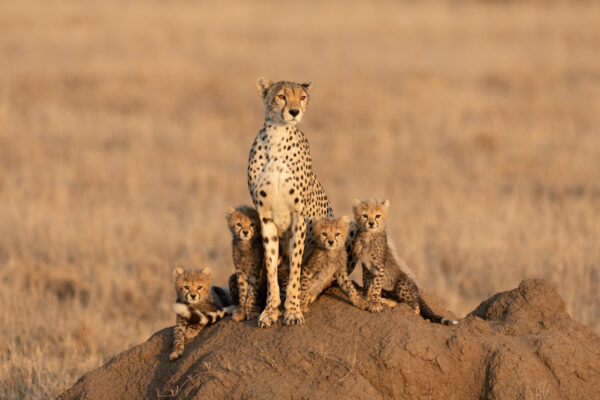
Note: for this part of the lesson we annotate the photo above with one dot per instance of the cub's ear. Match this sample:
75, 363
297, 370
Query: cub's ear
306, 86
355, 204
177, 271
386, 204
345, 219
316, 220
207, 271
263, 84
229, 212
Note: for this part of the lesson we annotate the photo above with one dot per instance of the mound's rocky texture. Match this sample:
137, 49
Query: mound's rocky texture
517, 344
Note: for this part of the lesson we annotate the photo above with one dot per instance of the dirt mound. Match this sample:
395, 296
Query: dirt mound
517, 344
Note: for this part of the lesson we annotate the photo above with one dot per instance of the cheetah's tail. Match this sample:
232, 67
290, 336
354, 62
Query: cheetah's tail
427, 313
194, 316
221, 296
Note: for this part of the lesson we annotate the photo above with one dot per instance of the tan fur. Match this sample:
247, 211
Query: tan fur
247, 251
327, 262
285, 192
381, 269
194, 308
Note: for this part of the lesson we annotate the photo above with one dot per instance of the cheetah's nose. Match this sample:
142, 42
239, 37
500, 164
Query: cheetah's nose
294, 112
330, 242
245, 232
371, 223
193, 296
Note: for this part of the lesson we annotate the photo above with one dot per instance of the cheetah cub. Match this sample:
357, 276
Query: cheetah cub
195, 308
247, 249
328, 262
382, 269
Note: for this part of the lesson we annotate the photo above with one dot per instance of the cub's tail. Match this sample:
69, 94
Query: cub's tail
427, 313
195, 316
221, 296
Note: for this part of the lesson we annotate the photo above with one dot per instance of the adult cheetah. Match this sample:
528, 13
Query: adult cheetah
285, 192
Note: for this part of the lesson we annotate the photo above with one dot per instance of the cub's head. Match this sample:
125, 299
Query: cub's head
330, 233
243, 222
370, 215
192, 285
285, 101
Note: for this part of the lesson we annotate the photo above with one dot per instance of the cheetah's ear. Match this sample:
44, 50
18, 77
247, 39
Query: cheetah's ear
386, 204
355, 204
177, 271
207, 271
345, 219
306, 86
229, 212
263, 84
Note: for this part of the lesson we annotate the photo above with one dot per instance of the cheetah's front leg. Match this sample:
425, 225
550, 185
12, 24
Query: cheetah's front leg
240, 311
270, 314
375, 286
292, 313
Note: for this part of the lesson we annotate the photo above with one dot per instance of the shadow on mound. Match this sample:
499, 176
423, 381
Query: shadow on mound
517, 344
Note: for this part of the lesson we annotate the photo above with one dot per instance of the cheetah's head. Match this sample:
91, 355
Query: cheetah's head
370, 215
192, 285
243, 222
330, 233
285, 101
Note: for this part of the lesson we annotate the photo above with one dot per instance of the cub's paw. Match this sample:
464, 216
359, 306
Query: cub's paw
293, 318
267, 318
304, 308
375, 307
238, 315
175, 355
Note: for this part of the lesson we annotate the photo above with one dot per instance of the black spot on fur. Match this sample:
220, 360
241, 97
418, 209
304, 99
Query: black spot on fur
263, 194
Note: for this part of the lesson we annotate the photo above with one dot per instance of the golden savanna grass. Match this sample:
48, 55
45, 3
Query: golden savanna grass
125, 129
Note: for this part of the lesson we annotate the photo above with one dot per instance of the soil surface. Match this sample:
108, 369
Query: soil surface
519, 344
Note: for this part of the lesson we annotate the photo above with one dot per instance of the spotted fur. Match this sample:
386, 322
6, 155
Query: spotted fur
382, 269
247, 251
285, 192
328, 262
195, 308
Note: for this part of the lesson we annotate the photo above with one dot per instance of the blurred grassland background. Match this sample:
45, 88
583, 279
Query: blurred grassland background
125, 128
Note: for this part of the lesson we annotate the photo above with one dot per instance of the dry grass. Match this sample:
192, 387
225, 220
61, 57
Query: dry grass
125, 129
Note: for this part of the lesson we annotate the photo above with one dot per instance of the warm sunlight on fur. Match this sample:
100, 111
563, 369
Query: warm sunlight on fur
125, 129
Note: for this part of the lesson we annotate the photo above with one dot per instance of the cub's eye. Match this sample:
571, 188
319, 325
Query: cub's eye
365, 216
302, 98
337, 234
199, 287
186, 287
280, 96
251, 223
238, 224
378, 216
324, 234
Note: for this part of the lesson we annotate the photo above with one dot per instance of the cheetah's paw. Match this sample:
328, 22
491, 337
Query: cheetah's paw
293, 318
375, 307
267, 318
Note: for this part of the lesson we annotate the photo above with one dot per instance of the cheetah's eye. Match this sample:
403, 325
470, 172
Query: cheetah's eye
365, 216
280, 96
324, 234
239, 225
186, 287
252, 224
378, 216
199, 287
337, 234
302, 98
